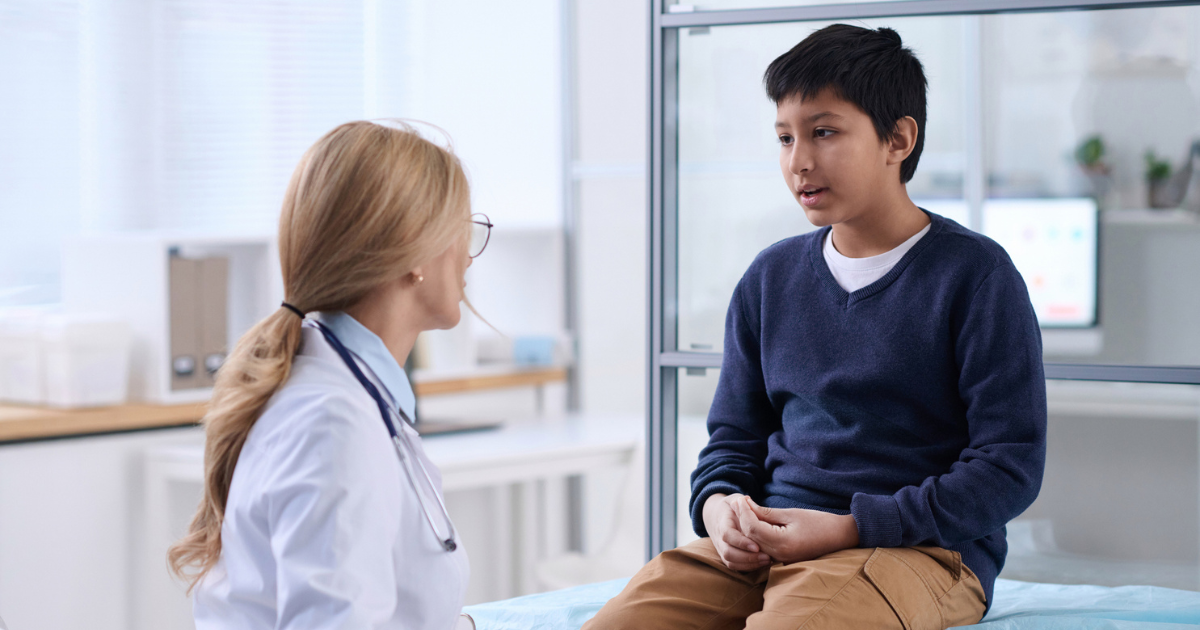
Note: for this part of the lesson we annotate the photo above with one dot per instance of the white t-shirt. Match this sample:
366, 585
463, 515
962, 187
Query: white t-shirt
853, 274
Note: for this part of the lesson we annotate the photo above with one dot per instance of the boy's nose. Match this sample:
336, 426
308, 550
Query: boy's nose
800, 161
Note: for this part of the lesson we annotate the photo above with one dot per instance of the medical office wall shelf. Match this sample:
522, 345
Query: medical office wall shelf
664, 358
129, 274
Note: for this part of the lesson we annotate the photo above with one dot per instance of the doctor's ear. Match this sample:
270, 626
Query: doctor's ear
416, 276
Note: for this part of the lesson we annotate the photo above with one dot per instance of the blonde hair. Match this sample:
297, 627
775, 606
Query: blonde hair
367, 204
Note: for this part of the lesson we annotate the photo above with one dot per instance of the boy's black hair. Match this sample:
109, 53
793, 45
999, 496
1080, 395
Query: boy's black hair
870, 68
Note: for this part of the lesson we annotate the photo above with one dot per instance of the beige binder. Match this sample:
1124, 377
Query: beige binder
214, 324
199, 321
185, 366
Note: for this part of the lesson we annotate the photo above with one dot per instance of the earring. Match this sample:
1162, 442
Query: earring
420, 279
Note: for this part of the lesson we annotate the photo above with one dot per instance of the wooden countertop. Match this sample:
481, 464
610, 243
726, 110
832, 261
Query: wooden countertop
31, 423
18, 422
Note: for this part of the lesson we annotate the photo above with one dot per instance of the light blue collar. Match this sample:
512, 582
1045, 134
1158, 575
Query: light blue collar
369, 348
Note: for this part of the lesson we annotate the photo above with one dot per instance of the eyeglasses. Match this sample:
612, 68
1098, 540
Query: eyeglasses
481, 233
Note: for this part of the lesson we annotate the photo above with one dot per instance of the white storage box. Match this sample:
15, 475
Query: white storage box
22, 375
86, 360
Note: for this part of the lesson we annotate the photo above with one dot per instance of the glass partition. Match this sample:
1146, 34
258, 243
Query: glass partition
725, 5
733, 201
1122, 80
1070, 106
1076, 105
1119, 498
1065, 135
695, 395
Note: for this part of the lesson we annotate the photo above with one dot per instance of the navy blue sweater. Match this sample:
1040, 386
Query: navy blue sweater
917, 403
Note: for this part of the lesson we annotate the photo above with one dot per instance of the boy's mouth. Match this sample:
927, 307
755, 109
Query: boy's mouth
810, 195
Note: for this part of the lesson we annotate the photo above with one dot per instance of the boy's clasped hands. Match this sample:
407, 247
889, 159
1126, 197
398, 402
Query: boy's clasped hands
749, 536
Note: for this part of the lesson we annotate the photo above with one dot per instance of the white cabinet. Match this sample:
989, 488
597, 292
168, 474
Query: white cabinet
67, 528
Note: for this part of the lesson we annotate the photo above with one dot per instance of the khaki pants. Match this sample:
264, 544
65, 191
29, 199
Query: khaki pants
914, 588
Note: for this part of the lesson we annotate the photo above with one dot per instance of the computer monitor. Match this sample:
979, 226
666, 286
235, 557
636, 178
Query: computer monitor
1053, 243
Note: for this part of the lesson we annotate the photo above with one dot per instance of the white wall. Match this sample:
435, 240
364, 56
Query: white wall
488, 73
609, 188
610, 192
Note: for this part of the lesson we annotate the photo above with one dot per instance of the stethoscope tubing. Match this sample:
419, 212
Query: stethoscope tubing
448, 543
386, 411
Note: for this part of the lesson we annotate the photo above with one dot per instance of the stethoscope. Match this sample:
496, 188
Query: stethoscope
448, 543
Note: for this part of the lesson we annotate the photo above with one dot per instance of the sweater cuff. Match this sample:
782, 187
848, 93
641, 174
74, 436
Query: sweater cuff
878, 520
715, 487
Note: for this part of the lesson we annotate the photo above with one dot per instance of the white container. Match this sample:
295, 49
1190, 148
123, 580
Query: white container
22, 371
86, 360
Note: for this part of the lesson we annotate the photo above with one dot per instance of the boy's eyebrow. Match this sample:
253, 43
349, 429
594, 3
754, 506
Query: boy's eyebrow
779, 124
820, 115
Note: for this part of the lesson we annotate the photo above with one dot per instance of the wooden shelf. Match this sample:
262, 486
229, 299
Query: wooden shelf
19, 423
1151, 217
436, 384
32, 423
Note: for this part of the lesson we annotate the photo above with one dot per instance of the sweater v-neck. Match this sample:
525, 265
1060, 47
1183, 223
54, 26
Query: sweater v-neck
847, 298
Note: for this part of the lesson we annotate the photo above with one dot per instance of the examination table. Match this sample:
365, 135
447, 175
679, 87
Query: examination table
1018, 606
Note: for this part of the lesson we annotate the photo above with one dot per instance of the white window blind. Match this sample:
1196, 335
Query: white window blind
195, 112
39, 144
244, 89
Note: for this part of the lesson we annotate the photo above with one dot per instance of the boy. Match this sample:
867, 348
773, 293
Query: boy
881, 410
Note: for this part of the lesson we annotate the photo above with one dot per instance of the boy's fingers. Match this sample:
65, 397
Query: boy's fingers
770, 515
741, 556
746, 518
735, 538
743, 561
764, 513
765, 535
730, 517
730, 523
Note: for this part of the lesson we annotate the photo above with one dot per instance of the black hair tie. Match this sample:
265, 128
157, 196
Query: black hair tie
293, 309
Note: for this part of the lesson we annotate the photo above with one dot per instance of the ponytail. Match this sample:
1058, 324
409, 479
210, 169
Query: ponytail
258, 366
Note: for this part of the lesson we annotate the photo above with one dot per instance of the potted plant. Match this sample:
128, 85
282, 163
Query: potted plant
1158, 181
1089, 155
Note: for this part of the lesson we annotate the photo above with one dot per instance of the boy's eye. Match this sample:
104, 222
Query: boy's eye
823, 133
785, 139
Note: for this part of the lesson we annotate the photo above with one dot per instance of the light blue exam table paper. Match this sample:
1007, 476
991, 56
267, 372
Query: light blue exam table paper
557, 610
1034, 606
1018, 606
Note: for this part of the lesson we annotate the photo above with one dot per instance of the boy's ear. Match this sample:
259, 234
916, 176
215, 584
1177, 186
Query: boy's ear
904, 140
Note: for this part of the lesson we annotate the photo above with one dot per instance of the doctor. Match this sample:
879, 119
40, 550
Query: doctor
320, 508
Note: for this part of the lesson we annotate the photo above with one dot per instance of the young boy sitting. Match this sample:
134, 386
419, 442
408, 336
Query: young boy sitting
881, 411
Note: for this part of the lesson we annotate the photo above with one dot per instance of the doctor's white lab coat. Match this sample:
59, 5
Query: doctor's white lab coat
322, 528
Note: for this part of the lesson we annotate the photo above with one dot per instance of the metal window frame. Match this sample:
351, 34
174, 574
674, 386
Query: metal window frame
664, 360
